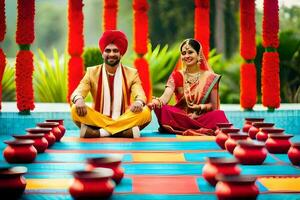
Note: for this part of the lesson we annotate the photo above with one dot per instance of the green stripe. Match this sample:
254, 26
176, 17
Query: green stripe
217, 78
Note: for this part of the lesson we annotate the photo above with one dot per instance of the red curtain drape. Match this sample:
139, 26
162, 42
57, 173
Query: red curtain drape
110, 11
75, 44
248, 94
2, 54
202, 23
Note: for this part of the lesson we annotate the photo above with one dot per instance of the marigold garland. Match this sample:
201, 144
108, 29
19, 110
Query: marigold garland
201, 26
25, 22
75, 73
2, 20
2, 68
110, 14
248, 95
142, 67
247, 34
270, 80
24, 88
270, 24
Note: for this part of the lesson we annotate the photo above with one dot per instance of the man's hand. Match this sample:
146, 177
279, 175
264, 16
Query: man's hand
137, 107
154, 104
80, 107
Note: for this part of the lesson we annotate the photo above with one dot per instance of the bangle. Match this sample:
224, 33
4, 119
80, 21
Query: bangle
159, 100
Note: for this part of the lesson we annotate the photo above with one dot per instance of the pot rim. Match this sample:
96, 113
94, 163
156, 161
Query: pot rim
262, 124
272, 130
29, 136
253, 144
9, 171
222, 160
252, 119
47, 124
19, 142
280, 135
38, 130
98, 172
230, 130
105, 159
238, 134
236, 178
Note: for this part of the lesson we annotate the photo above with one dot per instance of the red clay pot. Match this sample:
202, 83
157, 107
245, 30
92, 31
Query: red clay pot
236, 187
40, 142
248, 123
230, 143
219, 165
19, 151
294, 153
222, 125
55, 130
250, 152
60, 126
95, 184
254, 129
223, 135
262, 135
12, 182
113, 162
278, 143
47, 131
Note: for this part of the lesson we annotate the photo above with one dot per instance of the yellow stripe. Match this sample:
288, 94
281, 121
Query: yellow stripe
38, 184
281, 184
198, 138
158, 157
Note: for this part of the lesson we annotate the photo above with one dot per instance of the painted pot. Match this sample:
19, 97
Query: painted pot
47, 131
236, 187
55, 130
248, 122
92, 184
19, 151
223, 135
278, 143
250, 152
255, 127
222, 125
12, 181
294, 153
231, 142
60, 126
113, 162
219, 165
40, 142
262, 135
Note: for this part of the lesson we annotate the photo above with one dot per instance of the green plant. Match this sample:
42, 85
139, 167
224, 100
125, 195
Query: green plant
92, 57
8, 84
50, 77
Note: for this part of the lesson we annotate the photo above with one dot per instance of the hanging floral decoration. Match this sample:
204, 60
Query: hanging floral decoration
202, 23
2, 68
142, 67
2, 35
248, 94
270, 24
75, 45
110, 14
25, 22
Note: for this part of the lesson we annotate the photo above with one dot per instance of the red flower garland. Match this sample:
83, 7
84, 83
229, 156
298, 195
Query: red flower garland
201, 26
75, 73
25, 22
247, 34
110, 14
75, 17
271, 24
248, 85
270, 80
141, 26
2, 20
2, 68
24, 88
142, 67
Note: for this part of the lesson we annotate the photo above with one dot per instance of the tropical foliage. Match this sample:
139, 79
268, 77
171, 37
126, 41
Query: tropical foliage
8, 84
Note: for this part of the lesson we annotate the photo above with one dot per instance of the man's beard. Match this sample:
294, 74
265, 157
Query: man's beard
112, 63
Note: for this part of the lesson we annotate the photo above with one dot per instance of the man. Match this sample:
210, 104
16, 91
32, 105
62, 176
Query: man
119, 100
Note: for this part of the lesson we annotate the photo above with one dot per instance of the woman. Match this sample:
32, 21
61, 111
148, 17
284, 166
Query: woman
196, 89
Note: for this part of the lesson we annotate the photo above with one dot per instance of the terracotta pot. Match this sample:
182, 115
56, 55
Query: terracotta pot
60, 126
55, 130
19, 151
222, 125
278, 143
294, 153
40, 142
95, 184
236, 187
113, 162
219, 165
262, 134
231, 142
254, 129
250, 152
12, 182
248, 122
47, 131
223, 135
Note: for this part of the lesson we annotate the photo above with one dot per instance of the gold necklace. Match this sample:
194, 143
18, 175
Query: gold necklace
109, 74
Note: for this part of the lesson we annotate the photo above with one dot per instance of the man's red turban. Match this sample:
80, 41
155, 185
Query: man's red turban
115, 37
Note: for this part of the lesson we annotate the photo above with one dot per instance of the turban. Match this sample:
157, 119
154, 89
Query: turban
115, 37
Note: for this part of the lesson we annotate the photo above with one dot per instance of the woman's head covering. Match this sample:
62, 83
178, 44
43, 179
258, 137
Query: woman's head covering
115, 37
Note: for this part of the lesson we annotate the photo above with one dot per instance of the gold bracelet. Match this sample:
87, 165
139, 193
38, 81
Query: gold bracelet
160, 101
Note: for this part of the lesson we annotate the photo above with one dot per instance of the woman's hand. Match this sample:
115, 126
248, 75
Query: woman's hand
155, 103
80, 107
193, 115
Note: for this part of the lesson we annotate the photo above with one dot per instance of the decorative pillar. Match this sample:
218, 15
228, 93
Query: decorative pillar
75, 45
24, 60
270, 80
140, 44
110, 10
2, 35
248, 95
